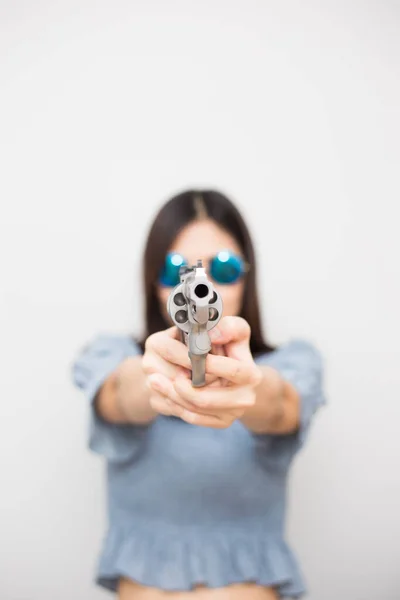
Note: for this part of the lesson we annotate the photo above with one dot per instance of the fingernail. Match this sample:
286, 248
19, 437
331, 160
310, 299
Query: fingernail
180, 378
182, 373
154, 382
189, 416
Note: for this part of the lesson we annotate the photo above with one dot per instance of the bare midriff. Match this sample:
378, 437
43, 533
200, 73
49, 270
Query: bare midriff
128, 590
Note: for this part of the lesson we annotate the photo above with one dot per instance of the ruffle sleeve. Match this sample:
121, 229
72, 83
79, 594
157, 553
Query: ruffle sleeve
89, 369
301, 363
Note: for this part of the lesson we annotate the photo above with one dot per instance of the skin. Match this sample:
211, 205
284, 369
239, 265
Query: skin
247, 591
238, 388
142, 387
204, 239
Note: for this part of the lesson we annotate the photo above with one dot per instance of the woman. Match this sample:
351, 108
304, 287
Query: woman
197, 476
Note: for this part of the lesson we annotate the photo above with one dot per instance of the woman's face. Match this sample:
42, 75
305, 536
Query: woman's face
203, 240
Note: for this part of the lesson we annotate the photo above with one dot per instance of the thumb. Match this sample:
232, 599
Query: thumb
230, 329
234, 334
173, 332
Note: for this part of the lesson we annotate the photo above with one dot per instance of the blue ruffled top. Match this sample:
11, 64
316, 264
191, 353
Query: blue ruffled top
191, 505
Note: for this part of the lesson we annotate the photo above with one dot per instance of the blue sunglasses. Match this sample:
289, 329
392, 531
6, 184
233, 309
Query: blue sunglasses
225, 267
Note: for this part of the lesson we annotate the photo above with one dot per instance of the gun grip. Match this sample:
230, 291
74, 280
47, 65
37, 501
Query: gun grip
198, 369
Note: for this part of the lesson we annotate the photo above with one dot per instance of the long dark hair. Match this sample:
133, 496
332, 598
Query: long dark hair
171, 218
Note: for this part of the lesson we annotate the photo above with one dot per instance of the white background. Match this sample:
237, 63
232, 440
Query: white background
292, 108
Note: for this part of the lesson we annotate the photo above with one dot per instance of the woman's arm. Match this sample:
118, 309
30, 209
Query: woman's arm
124, 396
277, 405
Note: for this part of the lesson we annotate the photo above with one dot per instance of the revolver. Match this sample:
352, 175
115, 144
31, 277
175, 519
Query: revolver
195, 307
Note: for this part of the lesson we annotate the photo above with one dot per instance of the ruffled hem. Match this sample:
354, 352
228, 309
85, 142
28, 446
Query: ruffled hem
216, 559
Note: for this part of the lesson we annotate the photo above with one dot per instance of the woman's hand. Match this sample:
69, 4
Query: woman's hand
231, 378
166, 356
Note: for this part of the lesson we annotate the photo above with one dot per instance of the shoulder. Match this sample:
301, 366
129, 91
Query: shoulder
300, 362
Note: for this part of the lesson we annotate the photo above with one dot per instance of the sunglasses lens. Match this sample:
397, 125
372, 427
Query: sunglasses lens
226, 267
169, 275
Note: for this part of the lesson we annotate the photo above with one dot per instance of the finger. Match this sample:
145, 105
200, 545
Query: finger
206, 420
164, 388
219, 350
165, 406
214, 398
216, 421
234, 334
235, 371
169, 348
153, 363
181, 371
173, 332
223, 414
162, 385
161, 404
230, 329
